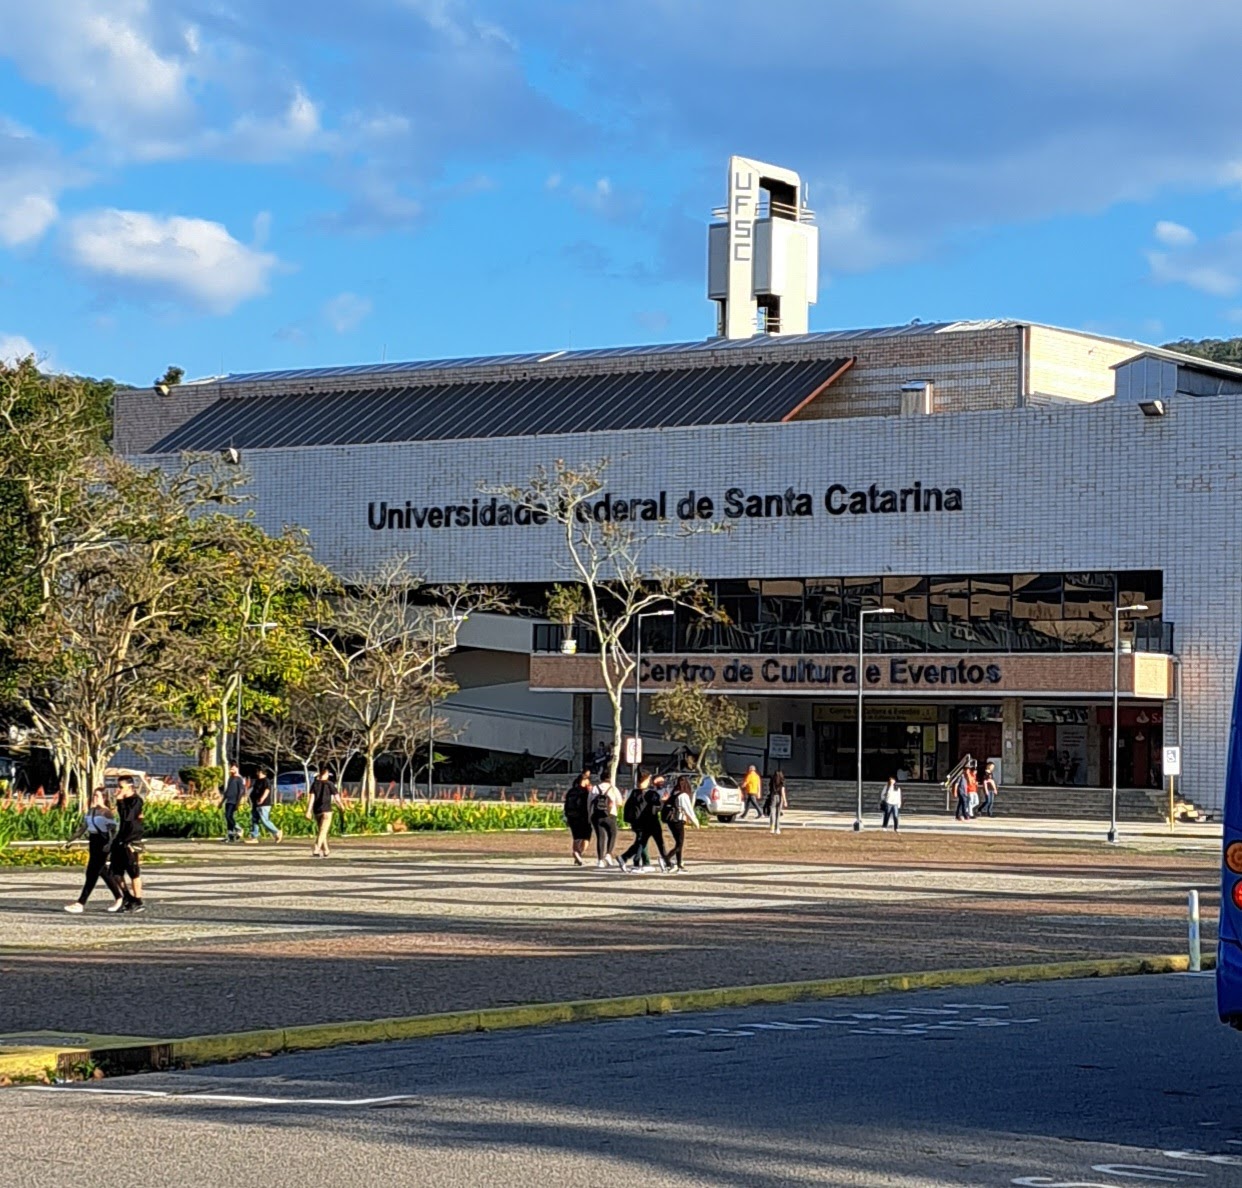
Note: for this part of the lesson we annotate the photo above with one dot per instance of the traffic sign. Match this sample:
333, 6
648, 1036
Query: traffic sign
633, 750
1172, 761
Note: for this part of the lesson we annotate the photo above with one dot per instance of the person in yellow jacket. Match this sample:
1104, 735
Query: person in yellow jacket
752, 785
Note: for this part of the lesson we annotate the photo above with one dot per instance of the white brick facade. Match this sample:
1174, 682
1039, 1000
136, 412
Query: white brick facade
1094, 487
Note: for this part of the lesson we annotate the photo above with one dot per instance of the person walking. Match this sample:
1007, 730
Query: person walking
646, 827
605, 804
961, 790
231, 797
989, 789
261, 808
577, 810
633, 810
751, 787
778, 802
99, 827
890, 803
123, 858
972, 789
320, 800
678, 812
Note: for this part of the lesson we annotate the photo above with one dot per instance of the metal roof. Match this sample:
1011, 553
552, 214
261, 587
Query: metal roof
769, 345
647, 399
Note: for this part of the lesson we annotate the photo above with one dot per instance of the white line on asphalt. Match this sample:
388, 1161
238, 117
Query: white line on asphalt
229, 1098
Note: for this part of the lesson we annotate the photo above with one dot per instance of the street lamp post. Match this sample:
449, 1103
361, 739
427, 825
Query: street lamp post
456, 621
262, 628
638, 678
862, 618
1130, 610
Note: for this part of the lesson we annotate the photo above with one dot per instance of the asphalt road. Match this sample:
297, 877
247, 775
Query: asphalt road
1060, 1085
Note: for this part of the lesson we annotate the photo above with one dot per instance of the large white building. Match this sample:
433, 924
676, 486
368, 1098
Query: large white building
1002, 486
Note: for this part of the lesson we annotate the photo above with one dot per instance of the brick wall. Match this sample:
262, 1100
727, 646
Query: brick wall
1073, 366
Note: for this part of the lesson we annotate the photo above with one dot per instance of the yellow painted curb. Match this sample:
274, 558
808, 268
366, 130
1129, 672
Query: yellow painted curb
209, 1049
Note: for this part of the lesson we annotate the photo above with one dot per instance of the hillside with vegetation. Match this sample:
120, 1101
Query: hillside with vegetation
1218, 350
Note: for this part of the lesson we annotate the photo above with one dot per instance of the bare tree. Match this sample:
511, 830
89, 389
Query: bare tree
379, 668
606, 560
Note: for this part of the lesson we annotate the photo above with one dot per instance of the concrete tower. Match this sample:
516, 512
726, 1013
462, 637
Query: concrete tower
762, 253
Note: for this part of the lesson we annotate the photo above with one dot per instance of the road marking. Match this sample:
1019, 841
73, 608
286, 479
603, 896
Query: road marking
229, 1098
870, 1023
1140, 1171
1204, 1157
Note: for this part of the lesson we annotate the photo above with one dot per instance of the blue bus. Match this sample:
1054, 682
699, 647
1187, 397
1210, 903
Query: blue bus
1229, 949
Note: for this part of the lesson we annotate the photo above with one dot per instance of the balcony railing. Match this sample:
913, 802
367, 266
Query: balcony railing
662, 637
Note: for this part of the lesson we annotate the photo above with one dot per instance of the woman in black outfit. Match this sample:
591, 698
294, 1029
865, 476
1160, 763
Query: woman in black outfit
577, 815
604, 805
646, 826
99, 826
677, 813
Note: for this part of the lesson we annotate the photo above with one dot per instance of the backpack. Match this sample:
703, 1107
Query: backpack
576, 802
633, 807
670, 810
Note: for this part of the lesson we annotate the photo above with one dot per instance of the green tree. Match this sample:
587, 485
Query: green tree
703, 721
107, 655
49, 424
250, 625
1218, 350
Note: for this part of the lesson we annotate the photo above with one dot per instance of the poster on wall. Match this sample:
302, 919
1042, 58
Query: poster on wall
1071, 760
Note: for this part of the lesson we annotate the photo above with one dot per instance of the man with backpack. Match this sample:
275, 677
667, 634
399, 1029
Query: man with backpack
642, 814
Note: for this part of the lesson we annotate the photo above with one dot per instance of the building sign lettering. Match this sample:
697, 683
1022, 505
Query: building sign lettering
902, 672
736, 504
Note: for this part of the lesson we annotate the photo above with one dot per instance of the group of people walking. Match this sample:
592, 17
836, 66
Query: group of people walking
322, 799
114, 837
594, 809
777, 800
975, 797
260, 795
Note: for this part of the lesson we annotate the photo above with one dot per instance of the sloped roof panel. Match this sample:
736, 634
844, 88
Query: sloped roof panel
514, 407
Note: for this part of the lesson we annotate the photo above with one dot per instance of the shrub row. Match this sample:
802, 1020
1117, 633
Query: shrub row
206, 819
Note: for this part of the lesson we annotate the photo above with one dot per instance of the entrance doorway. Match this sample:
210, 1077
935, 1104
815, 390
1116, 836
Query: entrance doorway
898, 740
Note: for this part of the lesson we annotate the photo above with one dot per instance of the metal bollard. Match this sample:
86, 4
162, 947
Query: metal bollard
1192, 906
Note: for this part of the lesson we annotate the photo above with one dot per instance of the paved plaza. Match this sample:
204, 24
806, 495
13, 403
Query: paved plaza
238, 938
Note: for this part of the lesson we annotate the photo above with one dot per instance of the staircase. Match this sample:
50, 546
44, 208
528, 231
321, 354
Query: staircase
840, 796
1133, 804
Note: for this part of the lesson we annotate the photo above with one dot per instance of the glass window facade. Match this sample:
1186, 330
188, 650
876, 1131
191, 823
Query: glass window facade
1020, 612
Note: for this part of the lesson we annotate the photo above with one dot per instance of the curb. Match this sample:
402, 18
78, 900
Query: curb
154, 1055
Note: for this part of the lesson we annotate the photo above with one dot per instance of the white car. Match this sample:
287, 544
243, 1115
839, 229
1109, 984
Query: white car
720, 796
289, 786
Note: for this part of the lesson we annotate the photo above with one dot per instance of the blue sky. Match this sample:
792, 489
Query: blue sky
233, 186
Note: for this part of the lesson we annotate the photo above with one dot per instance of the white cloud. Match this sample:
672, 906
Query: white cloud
32, 176
121, 68
918, 121
1213, 267
14, 347
295, 130
1174, 235
191, 260
346, 312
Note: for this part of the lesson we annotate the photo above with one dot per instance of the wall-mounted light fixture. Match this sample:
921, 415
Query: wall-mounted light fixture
1152, 408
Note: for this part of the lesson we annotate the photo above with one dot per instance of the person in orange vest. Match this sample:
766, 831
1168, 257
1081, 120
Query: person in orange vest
752, 785
972, 790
